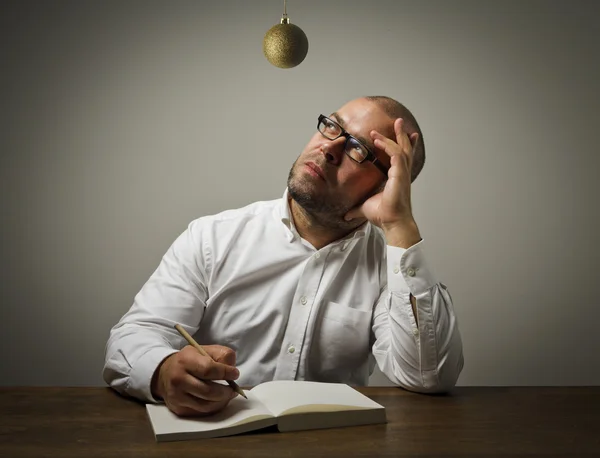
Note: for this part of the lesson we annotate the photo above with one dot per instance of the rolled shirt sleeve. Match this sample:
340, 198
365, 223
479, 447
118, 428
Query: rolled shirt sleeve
421, 353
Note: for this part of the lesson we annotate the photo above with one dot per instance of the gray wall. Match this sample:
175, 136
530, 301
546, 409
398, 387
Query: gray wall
122, 121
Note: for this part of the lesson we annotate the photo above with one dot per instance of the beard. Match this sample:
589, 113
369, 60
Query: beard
327, 209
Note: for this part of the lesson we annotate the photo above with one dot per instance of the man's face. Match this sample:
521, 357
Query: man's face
324, 180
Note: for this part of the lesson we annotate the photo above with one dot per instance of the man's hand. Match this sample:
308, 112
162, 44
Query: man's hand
183, 380
391, 209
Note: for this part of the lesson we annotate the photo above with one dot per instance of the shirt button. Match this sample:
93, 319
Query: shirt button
411, 272
396, 270
416, 331
317, 255
291, 349
303, 300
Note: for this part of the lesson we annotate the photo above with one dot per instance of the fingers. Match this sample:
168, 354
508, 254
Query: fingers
202, 389
185, 384
185, 381
187, 405
403, 144
414, 138
401, 136
407, 141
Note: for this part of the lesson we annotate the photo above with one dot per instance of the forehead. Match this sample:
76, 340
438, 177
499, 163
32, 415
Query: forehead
361, 116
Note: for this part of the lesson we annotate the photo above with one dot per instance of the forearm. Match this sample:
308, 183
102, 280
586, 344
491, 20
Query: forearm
145, 336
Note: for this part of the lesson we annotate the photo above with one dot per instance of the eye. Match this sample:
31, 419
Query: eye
360, 151
330, 125
356, 151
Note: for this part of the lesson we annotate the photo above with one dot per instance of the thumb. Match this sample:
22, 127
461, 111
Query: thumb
221, 354
219, 371
356, 212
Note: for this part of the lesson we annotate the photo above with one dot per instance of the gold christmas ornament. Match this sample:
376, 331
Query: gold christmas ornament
285, 45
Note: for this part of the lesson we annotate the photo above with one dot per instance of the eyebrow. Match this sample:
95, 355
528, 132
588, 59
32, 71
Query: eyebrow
337, 118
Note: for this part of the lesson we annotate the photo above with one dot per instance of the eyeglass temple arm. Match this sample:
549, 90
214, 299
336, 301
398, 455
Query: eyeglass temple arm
379, 165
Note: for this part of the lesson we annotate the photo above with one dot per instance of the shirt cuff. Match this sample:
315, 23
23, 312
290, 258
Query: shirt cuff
143, 370
408, 271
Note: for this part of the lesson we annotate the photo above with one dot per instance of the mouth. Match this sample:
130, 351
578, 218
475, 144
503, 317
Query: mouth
314, 170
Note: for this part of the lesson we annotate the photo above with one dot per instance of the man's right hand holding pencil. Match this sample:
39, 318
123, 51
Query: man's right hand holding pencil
184, 380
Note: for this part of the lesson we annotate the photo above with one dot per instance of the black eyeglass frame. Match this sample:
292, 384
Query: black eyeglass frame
343, 133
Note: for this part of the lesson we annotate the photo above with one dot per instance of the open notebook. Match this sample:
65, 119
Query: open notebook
291, 405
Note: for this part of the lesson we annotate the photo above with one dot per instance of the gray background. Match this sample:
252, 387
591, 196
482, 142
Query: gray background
121, 121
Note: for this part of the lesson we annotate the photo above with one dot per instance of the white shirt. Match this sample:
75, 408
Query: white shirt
245, 279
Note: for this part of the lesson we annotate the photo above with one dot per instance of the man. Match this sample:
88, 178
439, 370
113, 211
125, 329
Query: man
313, 286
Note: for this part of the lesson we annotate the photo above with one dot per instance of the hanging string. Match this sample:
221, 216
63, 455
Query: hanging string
284, 8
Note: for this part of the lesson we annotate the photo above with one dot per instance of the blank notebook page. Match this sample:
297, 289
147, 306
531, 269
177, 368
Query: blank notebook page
282, 395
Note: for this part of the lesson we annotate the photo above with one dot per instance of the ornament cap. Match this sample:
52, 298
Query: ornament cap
285, 19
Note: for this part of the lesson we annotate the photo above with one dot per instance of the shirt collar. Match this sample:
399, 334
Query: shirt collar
284, 209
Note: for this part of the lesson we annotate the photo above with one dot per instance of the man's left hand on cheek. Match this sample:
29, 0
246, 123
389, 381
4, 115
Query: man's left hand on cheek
391, 209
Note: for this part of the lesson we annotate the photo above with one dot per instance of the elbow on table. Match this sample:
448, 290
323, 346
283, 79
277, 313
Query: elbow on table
432, 385
437, 381
116, 373
440, 381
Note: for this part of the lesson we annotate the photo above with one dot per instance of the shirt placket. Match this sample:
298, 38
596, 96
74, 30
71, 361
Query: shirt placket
304, 303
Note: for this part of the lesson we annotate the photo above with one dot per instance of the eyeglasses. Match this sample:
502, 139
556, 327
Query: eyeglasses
354, 148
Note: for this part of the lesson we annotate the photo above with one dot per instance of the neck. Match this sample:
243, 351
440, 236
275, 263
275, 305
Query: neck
314, 229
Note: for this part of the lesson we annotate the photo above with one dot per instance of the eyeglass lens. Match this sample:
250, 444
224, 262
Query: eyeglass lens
354, 148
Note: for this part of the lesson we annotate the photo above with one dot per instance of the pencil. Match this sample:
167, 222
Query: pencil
201, 350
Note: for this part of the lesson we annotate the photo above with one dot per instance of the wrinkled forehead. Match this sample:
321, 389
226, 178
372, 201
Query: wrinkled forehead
360, 117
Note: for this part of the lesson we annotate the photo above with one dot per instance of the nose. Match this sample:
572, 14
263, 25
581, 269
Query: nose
333, 150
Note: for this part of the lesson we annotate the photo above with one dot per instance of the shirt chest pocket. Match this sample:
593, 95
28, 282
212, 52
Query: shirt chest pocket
341, 341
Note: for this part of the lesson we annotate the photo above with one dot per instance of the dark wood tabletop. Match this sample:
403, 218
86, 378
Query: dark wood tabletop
469, 422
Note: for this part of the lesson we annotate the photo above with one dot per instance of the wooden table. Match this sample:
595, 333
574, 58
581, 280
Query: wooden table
470, 422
